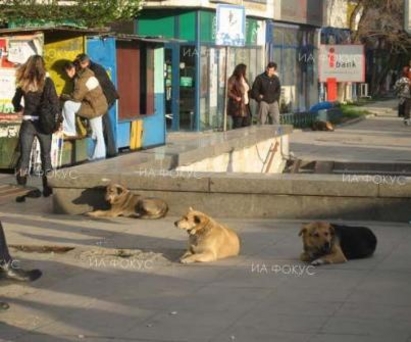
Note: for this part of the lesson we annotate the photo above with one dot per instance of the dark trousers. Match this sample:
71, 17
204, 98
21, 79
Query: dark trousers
28, 131
111, 150
5, 257
242, 121
404, 109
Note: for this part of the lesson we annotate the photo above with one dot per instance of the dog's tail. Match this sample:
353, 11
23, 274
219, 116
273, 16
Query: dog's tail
160, 214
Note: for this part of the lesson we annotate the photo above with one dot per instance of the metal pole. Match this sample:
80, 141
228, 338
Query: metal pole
225, 90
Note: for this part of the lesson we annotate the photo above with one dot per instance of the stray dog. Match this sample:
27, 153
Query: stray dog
125, 203
326, 243
208, 239
322, 126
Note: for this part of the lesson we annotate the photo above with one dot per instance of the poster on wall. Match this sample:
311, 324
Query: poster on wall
14, 50
59, 52
230, 25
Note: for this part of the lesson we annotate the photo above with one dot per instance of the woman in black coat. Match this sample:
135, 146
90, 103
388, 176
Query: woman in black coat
32, 81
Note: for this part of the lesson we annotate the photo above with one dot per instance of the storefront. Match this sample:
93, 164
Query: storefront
195, 68
135, 65
294, 49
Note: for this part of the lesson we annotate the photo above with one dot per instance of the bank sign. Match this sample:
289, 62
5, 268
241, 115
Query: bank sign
345, 63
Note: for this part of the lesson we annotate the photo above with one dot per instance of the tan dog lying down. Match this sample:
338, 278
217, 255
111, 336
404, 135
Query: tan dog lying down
125, 203
208, 239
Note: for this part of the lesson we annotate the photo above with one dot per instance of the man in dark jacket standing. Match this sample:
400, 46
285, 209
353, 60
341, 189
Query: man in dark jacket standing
266, 91
110, 93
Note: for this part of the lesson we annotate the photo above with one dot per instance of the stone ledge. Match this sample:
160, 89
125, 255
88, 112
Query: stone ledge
76, 201
247, 183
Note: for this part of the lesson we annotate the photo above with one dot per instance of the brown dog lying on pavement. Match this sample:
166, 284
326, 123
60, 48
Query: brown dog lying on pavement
208, 239
322, 126
326, 243
125, 203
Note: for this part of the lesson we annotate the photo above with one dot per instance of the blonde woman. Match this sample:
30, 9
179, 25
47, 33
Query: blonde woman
31, 82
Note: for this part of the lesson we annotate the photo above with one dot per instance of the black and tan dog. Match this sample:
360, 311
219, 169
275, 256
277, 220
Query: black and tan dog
208, 240
326, 243
125, 203
320, 125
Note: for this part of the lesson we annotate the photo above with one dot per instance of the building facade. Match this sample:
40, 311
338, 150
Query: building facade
196, 67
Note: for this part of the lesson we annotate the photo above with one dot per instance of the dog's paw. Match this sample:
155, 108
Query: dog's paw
186, 260
318, 262
90, 213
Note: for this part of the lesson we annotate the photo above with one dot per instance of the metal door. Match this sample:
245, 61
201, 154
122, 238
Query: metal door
102, 50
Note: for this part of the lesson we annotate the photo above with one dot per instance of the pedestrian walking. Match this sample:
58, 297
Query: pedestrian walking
266, 91
402, 88
238, 89
33, 85
111, 95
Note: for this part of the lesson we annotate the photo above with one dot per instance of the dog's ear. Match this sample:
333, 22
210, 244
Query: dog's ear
197, 219
190, 209
302, 231
332, 230
120, 188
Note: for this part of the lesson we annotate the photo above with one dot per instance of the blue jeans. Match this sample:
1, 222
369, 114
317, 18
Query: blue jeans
96, 125
70, 109
28, 131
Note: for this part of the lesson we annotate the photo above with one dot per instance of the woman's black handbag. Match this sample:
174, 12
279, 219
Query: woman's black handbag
50, 117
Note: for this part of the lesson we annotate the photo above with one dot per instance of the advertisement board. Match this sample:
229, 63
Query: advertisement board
344, 63
230, 25
14, 50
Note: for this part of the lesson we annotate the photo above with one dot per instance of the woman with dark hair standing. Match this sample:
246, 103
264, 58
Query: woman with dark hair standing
32, 81
238, 100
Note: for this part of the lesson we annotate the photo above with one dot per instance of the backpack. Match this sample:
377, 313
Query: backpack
50, 117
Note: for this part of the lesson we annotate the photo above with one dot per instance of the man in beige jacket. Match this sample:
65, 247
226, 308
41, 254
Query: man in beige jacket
88, 101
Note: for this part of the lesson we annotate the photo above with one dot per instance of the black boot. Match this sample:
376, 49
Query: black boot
21, 178
3, 306
47, 190
17, 274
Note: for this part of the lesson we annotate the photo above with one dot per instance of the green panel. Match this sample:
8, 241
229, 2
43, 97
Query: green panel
159, 71
187, 26
207, 27
24, 23
8, 157
74, 151
251, 27
158, 23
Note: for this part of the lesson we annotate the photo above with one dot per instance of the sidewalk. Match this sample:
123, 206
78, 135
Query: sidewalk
381, 137
97, 293
266, 294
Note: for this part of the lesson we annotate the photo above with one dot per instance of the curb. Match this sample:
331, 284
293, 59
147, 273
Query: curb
356, 120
